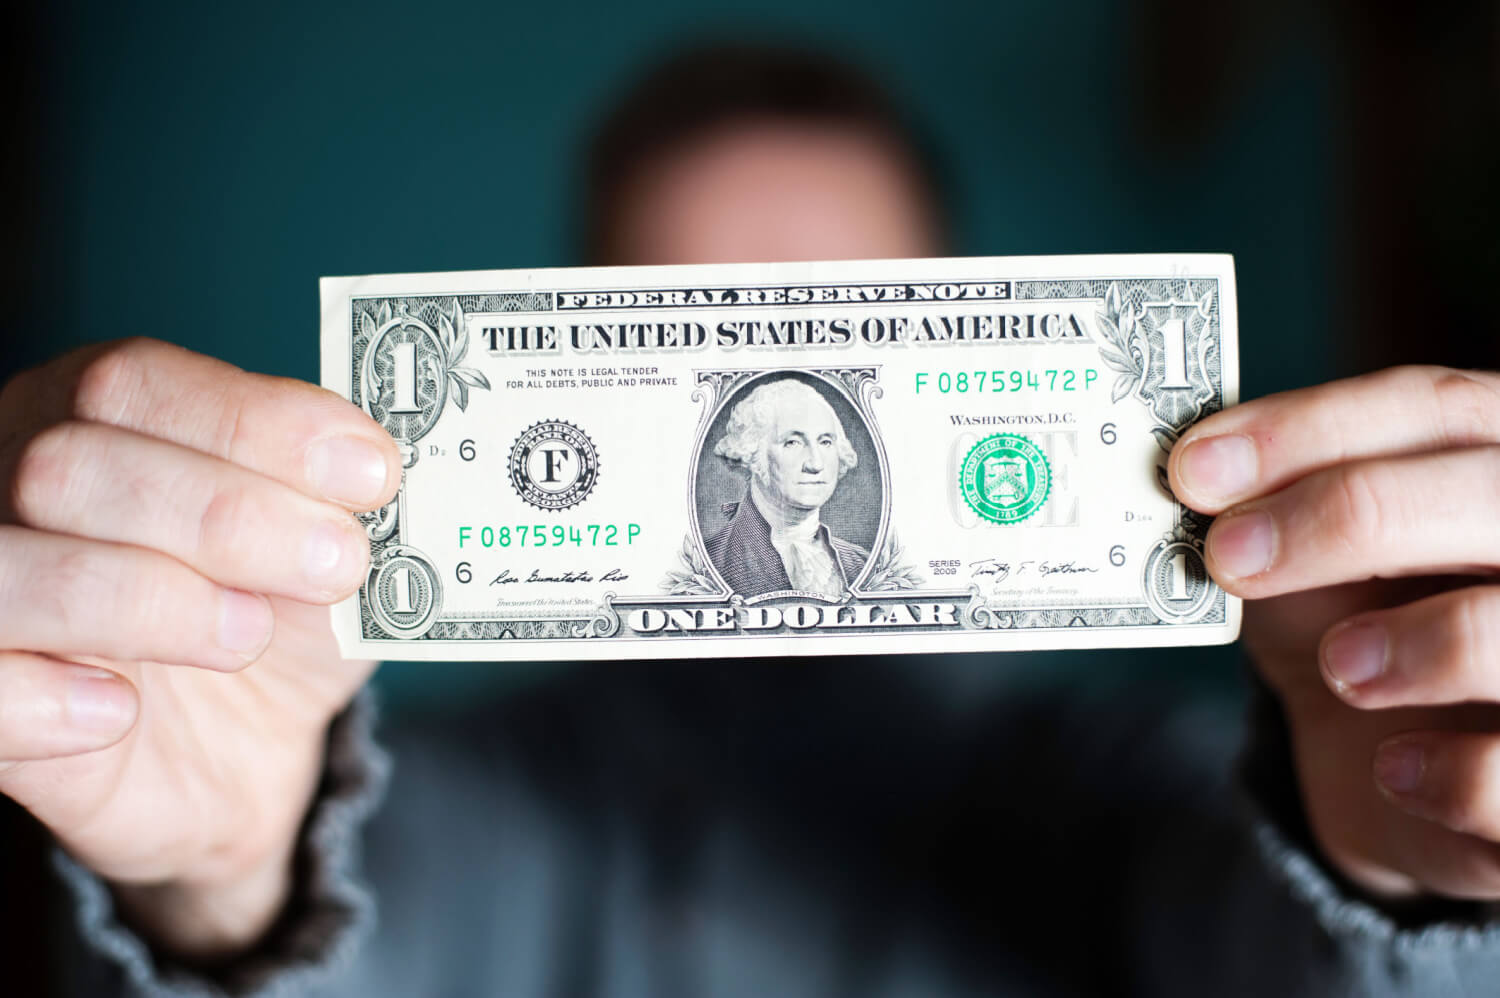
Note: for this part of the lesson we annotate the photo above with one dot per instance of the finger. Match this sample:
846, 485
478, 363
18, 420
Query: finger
292, 431
1387, 851
69, 596
50, 709
1452, 778
1440, 650
1257, 448
239, 528
1424, 514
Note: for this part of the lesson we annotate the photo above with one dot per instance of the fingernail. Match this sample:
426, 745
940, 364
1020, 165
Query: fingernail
1221, 468
347, 469
99, 701
1356, 655
1243, 545
328, 557
1399, 767
245, 623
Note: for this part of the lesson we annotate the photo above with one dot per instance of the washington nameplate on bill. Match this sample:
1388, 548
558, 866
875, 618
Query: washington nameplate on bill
770, 459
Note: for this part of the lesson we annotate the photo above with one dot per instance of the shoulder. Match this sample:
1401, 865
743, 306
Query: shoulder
848, 549
851, 557
720, 540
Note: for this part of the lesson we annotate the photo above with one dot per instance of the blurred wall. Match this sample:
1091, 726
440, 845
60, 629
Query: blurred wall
203, 164
188, 170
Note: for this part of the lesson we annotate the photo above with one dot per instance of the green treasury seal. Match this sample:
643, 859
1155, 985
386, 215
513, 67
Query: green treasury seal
1005, 478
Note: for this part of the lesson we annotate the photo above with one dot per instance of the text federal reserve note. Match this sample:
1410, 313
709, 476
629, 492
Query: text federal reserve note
810, 458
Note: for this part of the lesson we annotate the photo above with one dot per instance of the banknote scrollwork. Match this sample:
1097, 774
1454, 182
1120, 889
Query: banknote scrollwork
604, 623
858, 382
890, 571
983, 615
380, 524
1165, 353
1175, 580
692, 576
980, 614
1175, 577
405, 592
413, 365
1162, 352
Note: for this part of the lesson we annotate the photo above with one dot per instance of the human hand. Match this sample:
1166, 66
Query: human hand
1362, 521
168, 520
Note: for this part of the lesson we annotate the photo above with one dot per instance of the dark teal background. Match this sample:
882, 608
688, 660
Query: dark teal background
204, 164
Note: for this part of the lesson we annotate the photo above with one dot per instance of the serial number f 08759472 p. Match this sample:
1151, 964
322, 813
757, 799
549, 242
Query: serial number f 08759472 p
995, 382
540, 535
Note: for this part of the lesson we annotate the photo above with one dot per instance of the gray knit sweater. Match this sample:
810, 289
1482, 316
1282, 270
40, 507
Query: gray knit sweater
802, 828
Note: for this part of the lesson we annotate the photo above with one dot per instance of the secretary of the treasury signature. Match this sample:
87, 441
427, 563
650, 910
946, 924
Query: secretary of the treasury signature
1001, 570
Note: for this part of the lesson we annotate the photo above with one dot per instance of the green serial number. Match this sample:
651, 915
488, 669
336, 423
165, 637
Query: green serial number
995, 382
539, 535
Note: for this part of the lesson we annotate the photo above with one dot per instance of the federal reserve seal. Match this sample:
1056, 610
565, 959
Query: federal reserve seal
1005, 478
553, 465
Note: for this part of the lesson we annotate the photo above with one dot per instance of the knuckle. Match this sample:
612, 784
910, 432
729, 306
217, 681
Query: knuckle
1472, 794
92, 592
230, 440
1472, 624
1360, 512
1461, 812
1468, 811
82, 588
154, 605
227, 517
1468, 409
51, 472
107, 383
1403, 378
240, 425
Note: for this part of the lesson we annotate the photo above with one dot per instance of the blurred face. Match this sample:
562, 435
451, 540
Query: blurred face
773, 190
802, 459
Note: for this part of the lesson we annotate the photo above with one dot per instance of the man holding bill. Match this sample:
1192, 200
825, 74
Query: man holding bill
175, 714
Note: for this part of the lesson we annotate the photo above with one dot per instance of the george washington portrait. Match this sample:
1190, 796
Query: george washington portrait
792, 451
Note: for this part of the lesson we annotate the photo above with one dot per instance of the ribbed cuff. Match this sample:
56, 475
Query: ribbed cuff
328, 917
1270, 797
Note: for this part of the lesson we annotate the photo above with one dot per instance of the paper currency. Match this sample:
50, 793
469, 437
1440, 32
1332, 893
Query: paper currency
809, 458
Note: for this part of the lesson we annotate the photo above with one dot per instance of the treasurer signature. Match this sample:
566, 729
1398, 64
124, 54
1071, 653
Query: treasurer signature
506, 578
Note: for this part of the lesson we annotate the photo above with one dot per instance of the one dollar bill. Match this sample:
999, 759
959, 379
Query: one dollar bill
804, 458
